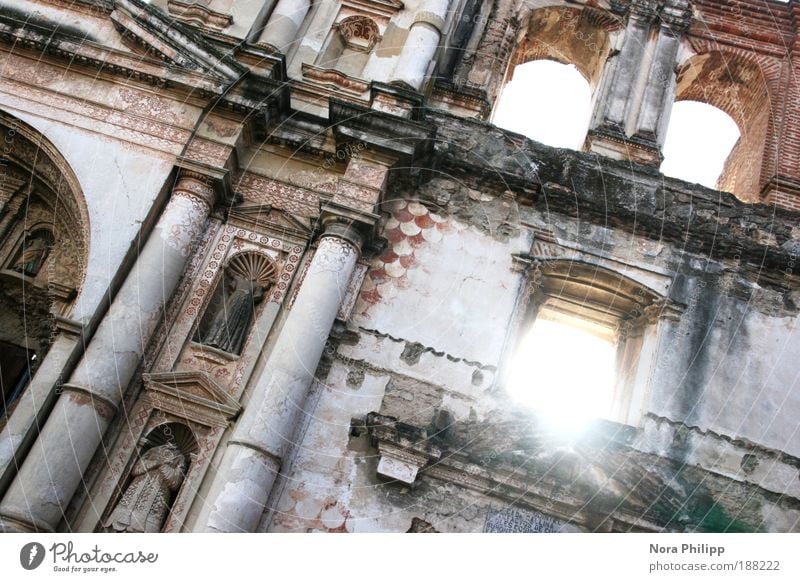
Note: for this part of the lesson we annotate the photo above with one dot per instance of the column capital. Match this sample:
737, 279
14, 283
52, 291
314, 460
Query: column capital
354, 226
675, 16
196, 186
211, 185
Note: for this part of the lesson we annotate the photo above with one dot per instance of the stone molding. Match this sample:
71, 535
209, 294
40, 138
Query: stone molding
192, 395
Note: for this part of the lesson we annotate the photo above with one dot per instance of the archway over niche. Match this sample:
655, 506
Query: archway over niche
44, 243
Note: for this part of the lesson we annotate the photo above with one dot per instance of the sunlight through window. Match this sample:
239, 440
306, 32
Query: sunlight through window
565, 372
699, 140
548, 102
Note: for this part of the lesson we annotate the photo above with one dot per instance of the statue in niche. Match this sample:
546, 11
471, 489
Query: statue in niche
144, 506
227, 322
227, 329
34, 251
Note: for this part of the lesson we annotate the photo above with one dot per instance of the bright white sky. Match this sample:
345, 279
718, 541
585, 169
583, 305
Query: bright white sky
546, 376
551, 103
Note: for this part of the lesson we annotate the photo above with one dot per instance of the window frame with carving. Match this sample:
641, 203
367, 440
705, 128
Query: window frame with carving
633, 314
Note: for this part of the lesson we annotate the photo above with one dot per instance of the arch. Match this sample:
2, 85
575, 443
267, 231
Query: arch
44, 243
571, 37
37, 185
700, 139
738, 87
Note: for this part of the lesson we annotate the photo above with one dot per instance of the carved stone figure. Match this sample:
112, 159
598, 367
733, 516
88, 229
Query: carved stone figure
144, 506
228, 328
33, 253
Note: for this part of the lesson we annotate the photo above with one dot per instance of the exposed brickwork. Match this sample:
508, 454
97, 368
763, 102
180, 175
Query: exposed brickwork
565, 35
764, 34
745, 63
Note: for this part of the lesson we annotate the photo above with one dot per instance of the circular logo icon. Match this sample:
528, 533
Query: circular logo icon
31, 555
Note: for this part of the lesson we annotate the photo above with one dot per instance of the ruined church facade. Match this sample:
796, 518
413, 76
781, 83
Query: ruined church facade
266, 264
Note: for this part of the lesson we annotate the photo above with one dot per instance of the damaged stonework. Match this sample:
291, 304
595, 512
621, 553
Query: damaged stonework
286, 234
597, 482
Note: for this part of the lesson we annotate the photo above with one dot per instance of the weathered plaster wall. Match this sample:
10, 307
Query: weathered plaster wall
431, 320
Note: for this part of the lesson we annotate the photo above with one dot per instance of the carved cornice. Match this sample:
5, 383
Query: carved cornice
177, 56
199, 15
335, 79
404, 449
379, 131
378, 8
597, 479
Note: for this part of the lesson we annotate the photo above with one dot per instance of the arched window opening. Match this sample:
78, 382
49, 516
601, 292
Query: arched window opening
554, 73
547, 102
738, 88
699, 141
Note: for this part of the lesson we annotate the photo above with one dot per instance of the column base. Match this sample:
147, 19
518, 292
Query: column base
616, 144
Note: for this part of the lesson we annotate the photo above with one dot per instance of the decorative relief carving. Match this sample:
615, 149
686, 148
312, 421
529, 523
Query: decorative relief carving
208, 152
181, 223
31, 78
333, 254
359, 32
351, 294
298, 201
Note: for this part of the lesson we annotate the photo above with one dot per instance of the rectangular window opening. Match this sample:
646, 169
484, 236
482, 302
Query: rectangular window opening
565, 369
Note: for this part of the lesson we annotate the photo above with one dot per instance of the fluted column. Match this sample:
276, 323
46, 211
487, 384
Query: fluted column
54, 468
421, 44
284, 23
264, 433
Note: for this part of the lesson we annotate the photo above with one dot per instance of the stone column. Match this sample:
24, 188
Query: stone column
35, 401
53, 469
283, 24
421, 44
659, 93
612, 108
264, 433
